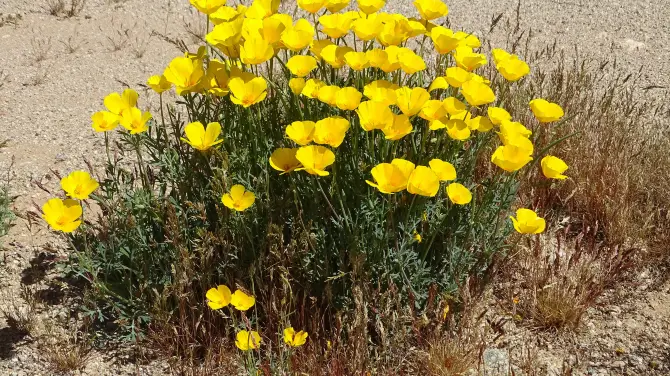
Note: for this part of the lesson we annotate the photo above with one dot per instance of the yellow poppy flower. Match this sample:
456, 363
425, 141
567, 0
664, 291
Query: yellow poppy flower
311, 6
315, 159
159, 84
374, 115
513, 69
185, 74
438, 83
394, 32
274, 26
391, 177
226, 14
256, 50
238, 198
477, 93
458, 129
79, 185
381, 91
527, 222
510, 129
376, 57
546, 112
336, 25
104, 121
301, 132
118, 103
240, 300
445, 171
331, 131
207, 6
298, 36
348, 98
247, 93
312, 88
433, 110
367, 28
400, 128
444, 40
200, 138
370, 6
480, 123
226, 34
284, 160
135, 121
411, 100
334, 55
410, 62
318, 45
261, 9
62, 215
468, 39
417, 237
297, 85
498, 115
553, 167
431, 9
246, 341
459, 194
423, 182
511, 157
467, 59
301, 65
357, 60
335, 6
500, 55
392, 63
457, 76
294, 339
218, 297
328, 94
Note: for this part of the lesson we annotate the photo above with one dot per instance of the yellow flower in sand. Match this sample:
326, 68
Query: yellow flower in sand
62, 215
159, 84
200, 138
119, 103
104, 121
184, 73
135, 121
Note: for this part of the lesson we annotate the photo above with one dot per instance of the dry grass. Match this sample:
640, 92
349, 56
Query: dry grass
552, 281
71, 44
65, 349
64, 8
40, 48
19, 310
119, 39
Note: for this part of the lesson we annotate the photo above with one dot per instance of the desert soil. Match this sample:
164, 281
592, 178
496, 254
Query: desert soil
55, 71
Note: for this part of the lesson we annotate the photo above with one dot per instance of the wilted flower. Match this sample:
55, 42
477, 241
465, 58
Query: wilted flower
527, 222
241, 301
411, 100
135, 121
315, 159
431, 9
245, 340
374, 115
301, 65
104, 121
546, 112
62, 215
159, 84
294, 339
301, 132
238, 198
348, 98
79, 185
477, 93
498, 115
184, 73
118, 103
218, 297
284, 160
247, 93
445, 171
400, 127
200, 138
553, 167
459, 194
391, 177
423, 182
331, 131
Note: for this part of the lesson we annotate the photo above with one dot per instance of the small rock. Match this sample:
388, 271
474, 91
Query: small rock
496, 362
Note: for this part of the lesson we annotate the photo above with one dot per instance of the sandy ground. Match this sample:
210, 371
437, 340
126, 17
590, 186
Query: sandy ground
48, 92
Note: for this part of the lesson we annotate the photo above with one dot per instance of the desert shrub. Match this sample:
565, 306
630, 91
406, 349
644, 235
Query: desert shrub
6, 214
272, 173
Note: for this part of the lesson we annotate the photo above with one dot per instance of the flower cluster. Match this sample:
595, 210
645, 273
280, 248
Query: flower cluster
65, 215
